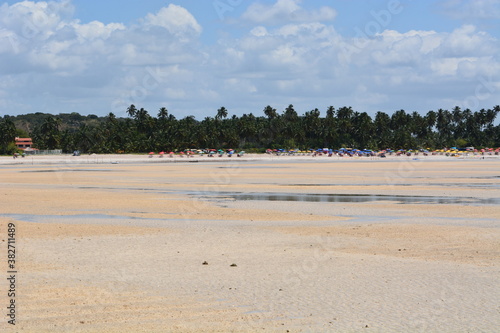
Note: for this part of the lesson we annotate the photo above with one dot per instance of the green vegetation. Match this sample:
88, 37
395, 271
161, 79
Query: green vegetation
7, 135
343, 127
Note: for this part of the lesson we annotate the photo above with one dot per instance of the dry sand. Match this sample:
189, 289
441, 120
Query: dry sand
116, 244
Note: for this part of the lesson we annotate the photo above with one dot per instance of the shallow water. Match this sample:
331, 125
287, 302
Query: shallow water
470, 185
67, 170
96, 219
80, 217
347, 198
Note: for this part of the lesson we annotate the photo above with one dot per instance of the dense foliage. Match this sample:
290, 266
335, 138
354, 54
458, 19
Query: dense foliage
343, 127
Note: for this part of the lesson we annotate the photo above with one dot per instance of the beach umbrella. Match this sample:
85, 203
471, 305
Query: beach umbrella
151, 153
162, 152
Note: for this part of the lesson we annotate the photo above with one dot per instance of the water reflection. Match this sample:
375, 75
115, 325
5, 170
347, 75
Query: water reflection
350, 198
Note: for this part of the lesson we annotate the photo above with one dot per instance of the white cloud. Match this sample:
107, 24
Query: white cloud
31, 20
96, 29
177, 20
478, 66
447, 66
259, 31
472, 9
173, 93
286, 11
59, 60
161, 61
466, 41
239, 85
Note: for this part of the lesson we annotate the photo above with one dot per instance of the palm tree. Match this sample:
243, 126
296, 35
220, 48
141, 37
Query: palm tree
311, 127
131, 111
270, 112
162, 113
50, 132
363, 130
344, 123
221, 113
290, 114
7, 134
330, 112
383, 131
328, 128
443, 120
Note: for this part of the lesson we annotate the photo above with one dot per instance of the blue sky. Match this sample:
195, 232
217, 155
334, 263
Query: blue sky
195, 56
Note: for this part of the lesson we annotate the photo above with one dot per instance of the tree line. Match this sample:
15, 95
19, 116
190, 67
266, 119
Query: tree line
342, 127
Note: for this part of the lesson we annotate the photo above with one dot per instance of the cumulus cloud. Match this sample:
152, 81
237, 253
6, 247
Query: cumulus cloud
286, 11
286, 55
467, 41
96, 30
315, 61
177, 20
44, 49
31, 21
472, 9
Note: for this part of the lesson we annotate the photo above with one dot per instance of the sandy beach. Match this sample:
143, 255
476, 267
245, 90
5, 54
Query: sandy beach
128, 243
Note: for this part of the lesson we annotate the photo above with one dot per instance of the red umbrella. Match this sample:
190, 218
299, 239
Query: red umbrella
151, 153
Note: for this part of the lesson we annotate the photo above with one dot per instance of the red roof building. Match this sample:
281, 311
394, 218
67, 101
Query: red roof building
23, 143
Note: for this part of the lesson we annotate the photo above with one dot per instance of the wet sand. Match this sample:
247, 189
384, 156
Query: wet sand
117, 243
